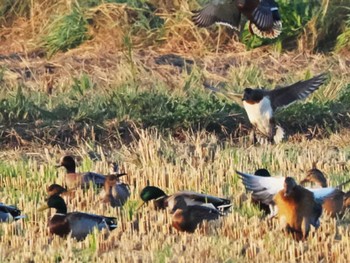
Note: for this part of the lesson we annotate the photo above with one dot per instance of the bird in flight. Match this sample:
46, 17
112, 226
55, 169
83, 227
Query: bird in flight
263, 16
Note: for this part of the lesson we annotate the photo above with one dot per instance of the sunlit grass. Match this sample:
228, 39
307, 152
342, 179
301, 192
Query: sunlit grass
241, 235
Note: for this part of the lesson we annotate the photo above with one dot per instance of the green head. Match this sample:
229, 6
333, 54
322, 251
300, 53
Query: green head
57, 202
151, 192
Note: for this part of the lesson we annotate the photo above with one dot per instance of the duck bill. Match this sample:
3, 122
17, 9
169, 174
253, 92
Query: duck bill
303, 181
141, 203
120, 175
43, 207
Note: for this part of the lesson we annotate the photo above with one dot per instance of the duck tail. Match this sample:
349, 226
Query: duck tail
111, 222
20, 217
274, 32
266, 21
224, 208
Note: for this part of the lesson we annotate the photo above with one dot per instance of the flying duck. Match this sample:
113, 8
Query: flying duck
297, 206
115, 193
9, 213
333, 205
263, 15
261, 104
78, 224
162, 200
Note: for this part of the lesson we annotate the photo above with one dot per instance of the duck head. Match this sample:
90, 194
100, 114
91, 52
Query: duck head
262, 172
289, 184
252, 95
111, 181
55, 189
315, 176
57, 202
68, 163
154, 193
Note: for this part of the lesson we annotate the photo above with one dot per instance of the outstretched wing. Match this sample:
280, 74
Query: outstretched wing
218, 11
197, 198
283, 96
263, 188
320, 194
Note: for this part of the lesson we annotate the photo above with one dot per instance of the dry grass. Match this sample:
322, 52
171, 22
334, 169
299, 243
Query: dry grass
200, 163
116, 56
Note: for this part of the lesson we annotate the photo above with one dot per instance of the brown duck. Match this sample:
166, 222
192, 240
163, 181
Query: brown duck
334, 205
115, 193
74, 179
295, 205
297, 209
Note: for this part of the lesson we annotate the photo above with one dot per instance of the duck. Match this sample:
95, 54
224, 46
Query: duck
295, 205
74, 179
56, 189
263, 16
297, 209
260, 105
187, 218
9, 213
76, 224
334, 205
115, 193
163, 201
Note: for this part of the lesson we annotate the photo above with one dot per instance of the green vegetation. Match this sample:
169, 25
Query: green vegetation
66, 32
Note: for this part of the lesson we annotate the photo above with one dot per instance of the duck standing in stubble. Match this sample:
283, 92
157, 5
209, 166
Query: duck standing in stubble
189, 209
75, 179
77, 224
115, 193
261, 104
297, 207
263, 15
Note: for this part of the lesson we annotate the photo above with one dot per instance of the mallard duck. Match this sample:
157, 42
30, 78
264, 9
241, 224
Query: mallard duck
334, 205
263, 15
74, 179
78, 224
299, 210
162, 201
9, 213
186, 218
115, 193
